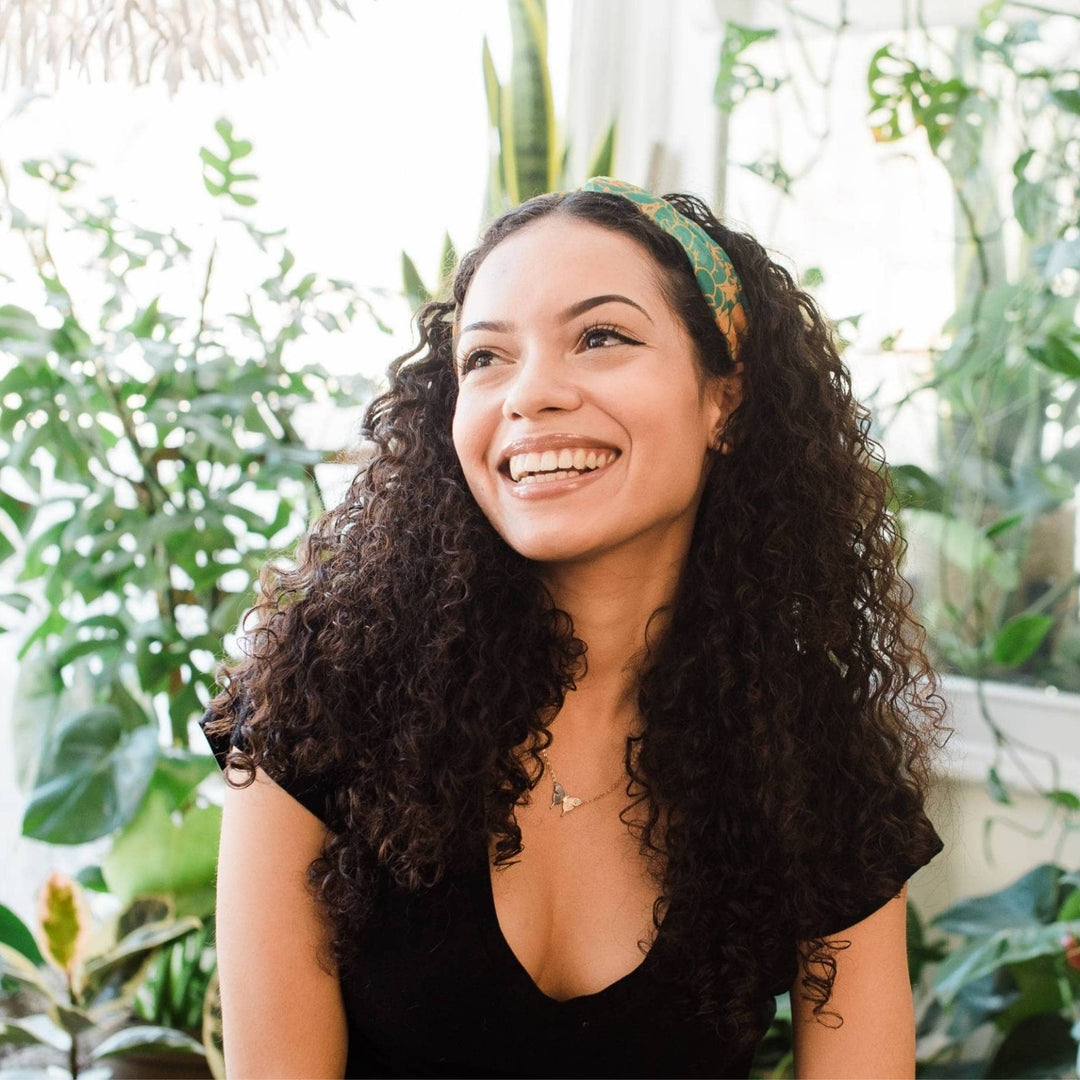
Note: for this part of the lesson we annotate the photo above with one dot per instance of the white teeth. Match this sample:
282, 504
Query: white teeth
555, 463
541, 478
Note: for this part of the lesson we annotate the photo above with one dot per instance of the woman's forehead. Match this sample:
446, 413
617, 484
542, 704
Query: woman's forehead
556, 261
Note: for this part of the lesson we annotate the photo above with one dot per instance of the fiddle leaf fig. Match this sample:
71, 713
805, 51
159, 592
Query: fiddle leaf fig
168, 412
93, 780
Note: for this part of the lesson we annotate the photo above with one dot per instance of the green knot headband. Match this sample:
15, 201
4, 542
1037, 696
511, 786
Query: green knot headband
715, 275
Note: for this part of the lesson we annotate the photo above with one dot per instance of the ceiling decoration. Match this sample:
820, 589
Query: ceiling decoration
140, 41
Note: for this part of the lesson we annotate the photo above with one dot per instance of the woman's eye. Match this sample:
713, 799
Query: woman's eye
471, 360
600, 332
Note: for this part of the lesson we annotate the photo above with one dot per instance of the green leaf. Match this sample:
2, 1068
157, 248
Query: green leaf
447, 262
1003, 525
20, 512
146, 1039
492, 89
529, 147
1058, 353
1070, 907
603, 158
1032, 897
1051, 259
998, 792
735, 77
64, 920
1068, 99
89, 877
137, 945
13, 965
39, 690
223, 167
1021, 163
19, 601
38, 1029
916, 488
157, 854
1019, 638
18, 324
1064, 798
1028, 200
179, 773
146, 320
15, 933
94, 779
986, 955
34, 565
964, 544
412, 284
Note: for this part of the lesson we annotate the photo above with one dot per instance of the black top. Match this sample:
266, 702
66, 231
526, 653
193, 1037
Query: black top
439, 992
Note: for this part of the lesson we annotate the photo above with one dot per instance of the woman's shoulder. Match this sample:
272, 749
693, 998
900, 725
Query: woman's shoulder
314, 791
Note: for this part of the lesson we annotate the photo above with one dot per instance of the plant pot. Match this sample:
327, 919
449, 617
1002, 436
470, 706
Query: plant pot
160, 1066
1048, 720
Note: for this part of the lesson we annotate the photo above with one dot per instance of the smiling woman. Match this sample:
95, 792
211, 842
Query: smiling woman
590, 355
625, 541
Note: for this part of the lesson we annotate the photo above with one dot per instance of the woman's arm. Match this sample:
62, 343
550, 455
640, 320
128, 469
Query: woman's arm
872, 992
282, 1014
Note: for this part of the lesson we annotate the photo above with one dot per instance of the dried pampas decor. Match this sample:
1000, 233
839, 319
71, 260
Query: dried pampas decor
142, 40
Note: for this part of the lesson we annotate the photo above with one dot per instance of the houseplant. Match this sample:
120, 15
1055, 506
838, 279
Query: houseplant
1000, 514
69, 1002
992, 524
529, 153
153, 467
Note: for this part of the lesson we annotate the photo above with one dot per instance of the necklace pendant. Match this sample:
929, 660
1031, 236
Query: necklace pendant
568, 803
557, 796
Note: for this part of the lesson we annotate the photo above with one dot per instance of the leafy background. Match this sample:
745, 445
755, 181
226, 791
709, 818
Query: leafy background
174, 414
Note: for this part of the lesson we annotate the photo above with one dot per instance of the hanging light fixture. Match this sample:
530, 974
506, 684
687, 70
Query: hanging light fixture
140, 40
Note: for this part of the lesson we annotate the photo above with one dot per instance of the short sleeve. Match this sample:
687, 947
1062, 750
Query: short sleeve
311, 793
904, 868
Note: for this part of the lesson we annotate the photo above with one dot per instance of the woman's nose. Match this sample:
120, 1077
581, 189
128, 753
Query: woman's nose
540, 381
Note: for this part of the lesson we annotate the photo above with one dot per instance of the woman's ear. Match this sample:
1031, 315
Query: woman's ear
726, 392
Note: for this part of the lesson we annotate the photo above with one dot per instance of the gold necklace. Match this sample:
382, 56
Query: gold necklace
568, 802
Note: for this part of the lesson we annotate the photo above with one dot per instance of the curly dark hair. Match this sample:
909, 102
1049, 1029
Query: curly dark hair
407, 654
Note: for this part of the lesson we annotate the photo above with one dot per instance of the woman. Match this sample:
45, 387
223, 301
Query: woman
604, 654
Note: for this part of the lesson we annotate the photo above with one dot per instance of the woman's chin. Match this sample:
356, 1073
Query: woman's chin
552, 549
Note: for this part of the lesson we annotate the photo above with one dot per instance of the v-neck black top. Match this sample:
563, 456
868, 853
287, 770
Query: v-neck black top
441, 993
438, 992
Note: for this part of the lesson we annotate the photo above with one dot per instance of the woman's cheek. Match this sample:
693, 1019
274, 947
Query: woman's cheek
470, 443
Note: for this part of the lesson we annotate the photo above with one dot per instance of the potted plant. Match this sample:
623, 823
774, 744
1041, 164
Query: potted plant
995, 528
67, 1005
154, 466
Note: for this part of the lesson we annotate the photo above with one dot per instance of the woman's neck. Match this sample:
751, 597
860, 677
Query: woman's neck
610, 601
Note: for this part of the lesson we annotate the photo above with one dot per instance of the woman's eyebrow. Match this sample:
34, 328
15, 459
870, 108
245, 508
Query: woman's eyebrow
582, 306
572, 312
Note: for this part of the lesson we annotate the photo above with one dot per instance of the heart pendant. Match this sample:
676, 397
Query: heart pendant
557, 796
568, 803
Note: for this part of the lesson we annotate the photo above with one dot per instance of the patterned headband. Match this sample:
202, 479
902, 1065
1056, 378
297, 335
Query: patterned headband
715, 275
